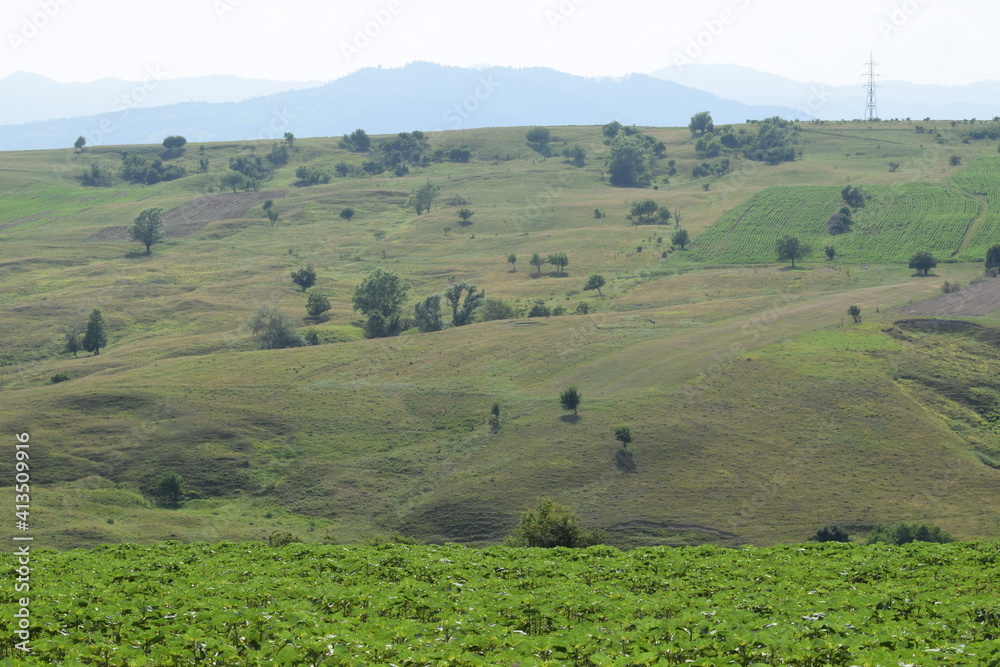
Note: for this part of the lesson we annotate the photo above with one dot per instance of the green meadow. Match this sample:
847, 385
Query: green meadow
760, 411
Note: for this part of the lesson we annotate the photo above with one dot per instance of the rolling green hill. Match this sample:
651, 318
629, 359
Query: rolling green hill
759, 414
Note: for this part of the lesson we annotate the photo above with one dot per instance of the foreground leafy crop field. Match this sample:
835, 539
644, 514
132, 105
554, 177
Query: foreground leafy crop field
240, 604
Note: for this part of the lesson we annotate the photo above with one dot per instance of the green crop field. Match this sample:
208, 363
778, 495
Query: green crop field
982, 179
895, 223
239, 604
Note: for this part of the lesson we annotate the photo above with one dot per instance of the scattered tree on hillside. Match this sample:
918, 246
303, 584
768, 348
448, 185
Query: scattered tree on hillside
549, 525
644, 211
347, 213
290, 139
680, 238
147, 228
558, 260
427, 313
268, 203
80, 143
73, 344
422, 196
855, 312
512, 258
993, 257
536, 261
272, 216
954, 160
278, 157
170, 488
317, 304
790, 248
576, 154
174, 144
463, 310
464, 214
253, 168
357, 141
701, 123
273, 330
623, 434
311, 175
570, 399
923, 262
495, 417
840, 222
380, 296
539, 136
628, 165
904, 533
233, 180
854, 196
831, 534
95, 337
893, 166
830, 251
595, 281
304, 277
539, 309
496, 309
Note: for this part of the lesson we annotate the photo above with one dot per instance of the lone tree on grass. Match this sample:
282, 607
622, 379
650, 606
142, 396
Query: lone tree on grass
558, 260
95, 337
923, 262
855, 312
623, 434
73, 340
304, 277
495, 417
830, 251
422, 196
380, 296
596, 281
790, 248
464, 214
512, 258
317, 304
570, 399
537, 261
171, 488
462, 311
147, 228
347, 213
272, 215
80, 142
173, 144
273, 330
993, 257
550, 525
680, 238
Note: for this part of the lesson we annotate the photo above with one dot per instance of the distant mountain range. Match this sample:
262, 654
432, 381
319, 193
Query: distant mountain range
431, 97
895, 99
419, 96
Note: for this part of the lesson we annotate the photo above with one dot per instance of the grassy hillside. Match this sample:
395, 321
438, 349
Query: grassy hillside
759, 415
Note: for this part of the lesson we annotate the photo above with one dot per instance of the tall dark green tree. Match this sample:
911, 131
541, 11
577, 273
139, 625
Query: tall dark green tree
680, 238
95, 337
993, 257
701, 123
790, 248
380, 296
623, 434
170, 488
427, 313
595, 281
855, 313
80, 142
628, 164
317, 304
462, 310
570, 399
923, 262
147, 228
304, 277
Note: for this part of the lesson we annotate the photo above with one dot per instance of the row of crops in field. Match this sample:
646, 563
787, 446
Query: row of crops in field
982, 178
896, 223
249, 604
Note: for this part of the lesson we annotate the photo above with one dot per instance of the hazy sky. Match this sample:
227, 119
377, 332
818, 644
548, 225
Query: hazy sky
927, 41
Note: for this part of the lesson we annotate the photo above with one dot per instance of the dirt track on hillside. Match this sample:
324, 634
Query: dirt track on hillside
981, 299
191, 216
